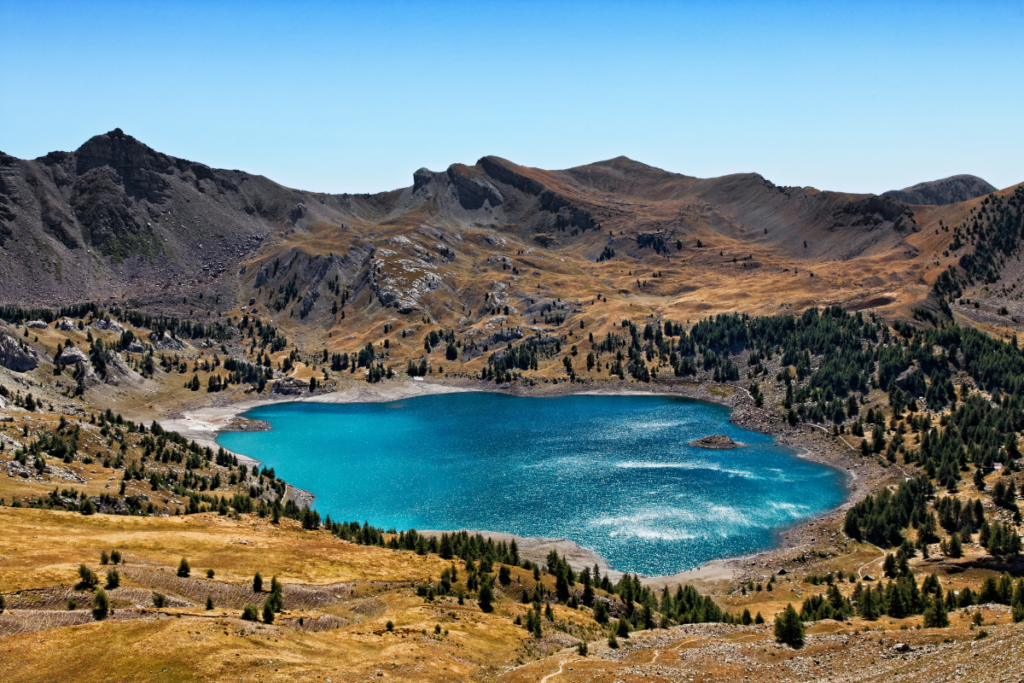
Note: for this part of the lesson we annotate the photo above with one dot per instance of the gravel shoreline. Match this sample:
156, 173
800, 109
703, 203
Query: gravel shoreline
862, 475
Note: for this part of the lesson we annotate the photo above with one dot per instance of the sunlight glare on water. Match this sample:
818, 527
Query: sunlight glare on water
613, 473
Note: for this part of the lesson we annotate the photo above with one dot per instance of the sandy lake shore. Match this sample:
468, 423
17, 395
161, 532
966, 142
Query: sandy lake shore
862, 475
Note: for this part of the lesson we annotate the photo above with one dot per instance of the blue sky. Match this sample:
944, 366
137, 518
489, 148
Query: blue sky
344, 97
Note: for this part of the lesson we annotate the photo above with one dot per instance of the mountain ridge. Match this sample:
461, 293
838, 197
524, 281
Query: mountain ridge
116, 219
952, 190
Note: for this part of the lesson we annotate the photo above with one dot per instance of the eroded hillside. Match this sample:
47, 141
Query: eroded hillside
471, 246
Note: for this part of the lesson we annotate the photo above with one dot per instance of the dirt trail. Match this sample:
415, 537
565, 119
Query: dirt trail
561, 666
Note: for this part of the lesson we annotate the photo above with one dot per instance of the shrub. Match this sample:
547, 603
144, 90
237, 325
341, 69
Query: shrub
88, 577
113, 579
184, 569
390, 626
115, 557
209, 573
268, 612
209, 603
100, 605
3, 604
104, 558
159, 600
249, 613
87, 508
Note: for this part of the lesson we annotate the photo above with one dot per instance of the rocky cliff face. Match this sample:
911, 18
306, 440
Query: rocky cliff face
15, 356
116, 215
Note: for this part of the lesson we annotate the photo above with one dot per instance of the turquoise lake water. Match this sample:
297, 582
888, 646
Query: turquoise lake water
613, 473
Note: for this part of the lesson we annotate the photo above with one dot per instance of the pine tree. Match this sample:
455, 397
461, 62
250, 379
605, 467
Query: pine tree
955, 547
935, 616
257, 583
788, 627
486, 595
184, 569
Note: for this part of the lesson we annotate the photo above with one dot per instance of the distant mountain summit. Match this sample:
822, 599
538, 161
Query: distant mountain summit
951, 190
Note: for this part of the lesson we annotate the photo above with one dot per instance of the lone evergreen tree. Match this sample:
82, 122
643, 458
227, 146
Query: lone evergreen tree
184, 569
257, 583
788, 627
486, 597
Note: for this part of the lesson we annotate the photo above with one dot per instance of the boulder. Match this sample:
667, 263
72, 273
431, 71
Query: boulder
72, 355
16, 357
297, 212
136, 347
290, 386
36, 325
166, 342
108, 326
65, 325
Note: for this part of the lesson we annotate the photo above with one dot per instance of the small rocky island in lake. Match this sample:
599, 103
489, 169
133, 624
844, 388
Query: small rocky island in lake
718, 441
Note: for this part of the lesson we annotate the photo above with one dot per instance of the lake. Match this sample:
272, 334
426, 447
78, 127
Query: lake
613, 473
